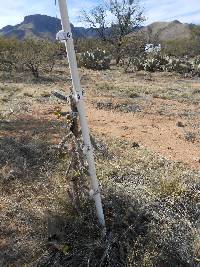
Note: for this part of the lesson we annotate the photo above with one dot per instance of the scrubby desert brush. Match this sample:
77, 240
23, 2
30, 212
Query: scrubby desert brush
151, 62
95, 59
161, 222
29, 55
181, 66
156, 61
197, 60
38, 56
159, 62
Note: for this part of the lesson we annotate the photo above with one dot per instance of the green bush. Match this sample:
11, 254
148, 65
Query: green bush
96, 59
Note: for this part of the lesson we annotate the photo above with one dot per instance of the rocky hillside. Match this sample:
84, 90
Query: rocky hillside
42, 26
165, 31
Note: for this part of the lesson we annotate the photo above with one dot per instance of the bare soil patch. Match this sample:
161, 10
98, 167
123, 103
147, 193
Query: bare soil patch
156, 132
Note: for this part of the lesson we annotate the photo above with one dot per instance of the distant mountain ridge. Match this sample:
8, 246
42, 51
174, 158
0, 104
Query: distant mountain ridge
43, 26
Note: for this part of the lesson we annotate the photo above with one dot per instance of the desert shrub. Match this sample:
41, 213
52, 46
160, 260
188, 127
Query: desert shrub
96, 59
183, 54
38, 56
35, 56
83, 45
171, 64
197, 60
145, 228
150, 62
138, 63
133, 51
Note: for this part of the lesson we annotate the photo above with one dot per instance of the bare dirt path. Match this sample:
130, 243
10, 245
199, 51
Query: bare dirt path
157, 133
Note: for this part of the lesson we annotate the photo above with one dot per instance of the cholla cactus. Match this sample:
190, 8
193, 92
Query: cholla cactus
96, 59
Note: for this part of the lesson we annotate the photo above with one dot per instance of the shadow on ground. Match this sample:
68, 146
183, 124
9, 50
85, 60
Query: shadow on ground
28, 146
28, 157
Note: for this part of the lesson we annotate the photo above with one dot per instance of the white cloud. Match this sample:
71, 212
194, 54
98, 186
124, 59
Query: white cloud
11, 12
183, 10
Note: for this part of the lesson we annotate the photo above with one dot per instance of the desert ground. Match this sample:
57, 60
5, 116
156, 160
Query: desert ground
147, 127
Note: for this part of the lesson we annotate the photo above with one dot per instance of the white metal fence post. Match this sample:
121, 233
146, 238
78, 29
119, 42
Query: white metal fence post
78, 94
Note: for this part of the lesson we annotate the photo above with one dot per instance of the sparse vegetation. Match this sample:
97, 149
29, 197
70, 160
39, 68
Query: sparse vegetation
151, 203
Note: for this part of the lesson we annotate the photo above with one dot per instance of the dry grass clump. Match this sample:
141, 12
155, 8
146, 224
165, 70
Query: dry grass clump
161, 232
141, 231
166, 195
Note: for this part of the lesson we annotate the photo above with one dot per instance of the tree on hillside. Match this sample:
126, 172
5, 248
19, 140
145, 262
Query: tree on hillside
115, 20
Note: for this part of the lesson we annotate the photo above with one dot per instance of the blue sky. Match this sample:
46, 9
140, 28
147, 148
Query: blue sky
13, 11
